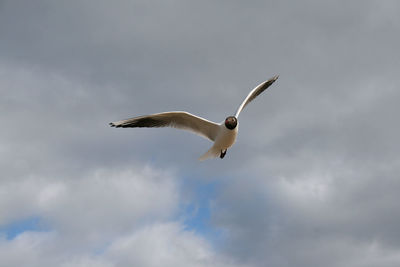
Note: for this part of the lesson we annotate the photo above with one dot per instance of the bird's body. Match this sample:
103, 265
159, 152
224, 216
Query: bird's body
223, 135
226, 137
224, 140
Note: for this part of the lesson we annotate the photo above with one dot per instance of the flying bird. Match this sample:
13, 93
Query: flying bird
223, 134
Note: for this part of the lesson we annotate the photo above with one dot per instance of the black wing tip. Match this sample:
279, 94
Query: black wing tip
114, 125
269, 82
273, 79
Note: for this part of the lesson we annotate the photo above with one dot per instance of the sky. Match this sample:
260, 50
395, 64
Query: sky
313, 179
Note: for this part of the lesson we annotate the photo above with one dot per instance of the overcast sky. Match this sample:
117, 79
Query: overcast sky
313, 179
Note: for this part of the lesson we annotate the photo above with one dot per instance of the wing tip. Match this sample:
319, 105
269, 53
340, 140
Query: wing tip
270, 81
112, 124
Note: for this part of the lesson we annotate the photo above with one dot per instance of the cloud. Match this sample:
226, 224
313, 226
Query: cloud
95, 206
169, 244
161, 244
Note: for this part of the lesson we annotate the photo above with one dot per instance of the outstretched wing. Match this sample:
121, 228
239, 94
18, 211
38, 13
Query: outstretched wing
255, 92
176, 119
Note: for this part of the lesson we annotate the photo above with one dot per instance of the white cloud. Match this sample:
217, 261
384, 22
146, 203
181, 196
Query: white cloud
27, 249
94, 206
103, 218
160, 244
164, 245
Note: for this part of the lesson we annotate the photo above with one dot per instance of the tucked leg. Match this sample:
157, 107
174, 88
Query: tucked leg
223, 152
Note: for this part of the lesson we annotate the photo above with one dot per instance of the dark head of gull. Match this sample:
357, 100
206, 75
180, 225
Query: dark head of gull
231, 122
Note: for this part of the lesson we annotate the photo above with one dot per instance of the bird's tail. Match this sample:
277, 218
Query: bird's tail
213, 152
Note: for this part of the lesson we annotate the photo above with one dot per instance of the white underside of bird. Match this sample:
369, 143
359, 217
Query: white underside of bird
223, 134
224, 140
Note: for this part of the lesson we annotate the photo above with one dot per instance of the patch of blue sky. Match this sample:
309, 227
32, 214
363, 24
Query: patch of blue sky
16, 228
197, 212
101, 248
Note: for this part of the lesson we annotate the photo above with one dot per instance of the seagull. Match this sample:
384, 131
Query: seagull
222, 134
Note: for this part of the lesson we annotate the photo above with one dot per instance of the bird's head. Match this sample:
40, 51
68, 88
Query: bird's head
231, 122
